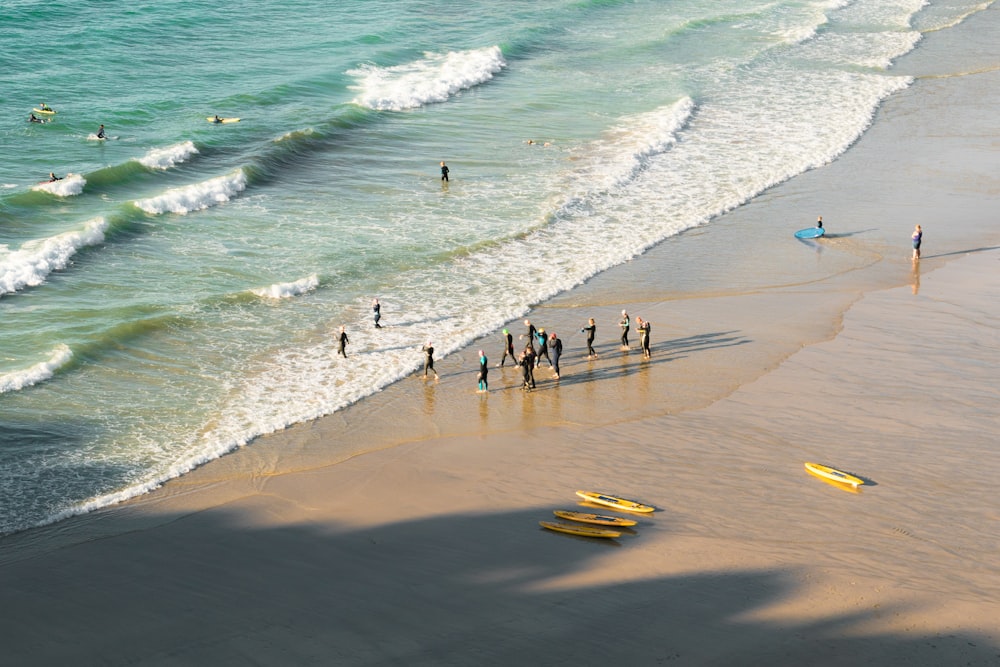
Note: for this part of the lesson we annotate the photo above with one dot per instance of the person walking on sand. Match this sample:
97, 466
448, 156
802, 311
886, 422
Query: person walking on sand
508, 349
444, 171
377, 312
555, 344
644, 329
591, 331
543, 349
484, 368
625, 324
429, 361
342, 345
918, 236
529, 358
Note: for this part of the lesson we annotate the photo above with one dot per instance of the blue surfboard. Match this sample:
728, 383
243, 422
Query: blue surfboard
810, 233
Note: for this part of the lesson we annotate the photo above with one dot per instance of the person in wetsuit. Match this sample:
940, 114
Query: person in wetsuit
342, 344
555, 344
531, 334
644, 329
53, 178
377, 312
32, 118
625, 325
591, 331
543, 349
528, 357
444, 171
484, 369
429, 361
100, 133
508, 349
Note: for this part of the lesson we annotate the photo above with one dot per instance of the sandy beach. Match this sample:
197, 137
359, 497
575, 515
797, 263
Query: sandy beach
415, 541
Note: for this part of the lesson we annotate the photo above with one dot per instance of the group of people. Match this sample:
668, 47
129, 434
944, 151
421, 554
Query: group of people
549, 348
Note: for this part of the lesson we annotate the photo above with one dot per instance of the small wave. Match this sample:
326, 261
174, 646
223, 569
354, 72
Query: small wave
285, 290
197, 196
36, 259
165, 158
434, 78
69, 186
43, 370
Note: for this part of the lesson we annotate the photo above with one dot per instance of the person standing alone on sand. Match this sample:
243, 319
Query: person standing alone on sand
342, 345
625, 324
591, 331
444, 171
484, 368
508, 349
918, 236
377, 311
429, 361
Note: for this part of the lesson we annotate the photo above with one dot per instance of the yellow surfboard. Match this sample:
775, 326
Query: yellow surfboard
48, 112
599, 519
211, 119
579, 529
614, 501
833, 474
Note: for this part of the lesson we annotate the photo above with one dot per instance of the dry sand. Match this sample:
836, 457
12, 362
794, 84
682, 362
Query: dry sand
424, 549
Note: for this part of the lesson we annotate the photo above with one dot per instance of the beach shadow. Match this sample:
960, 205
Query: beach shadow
961, 252
227, 586
844, 235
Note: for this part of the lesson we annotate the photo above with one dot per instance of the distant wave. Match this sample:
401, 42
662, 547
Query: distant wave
43, 370
36, 259
69, 186
165, 158
284, 290
434, 78
197, 196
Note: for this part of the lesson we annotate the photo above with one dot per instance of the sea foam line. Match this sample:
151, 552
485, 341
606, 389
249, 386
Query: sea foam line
36, 259
434, 78
43, 370
197, 196
70, 185
285, 290
170, 156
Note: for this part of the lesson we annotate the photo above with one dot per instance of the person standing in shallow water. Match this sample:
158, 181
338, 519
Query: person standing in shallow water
591, 331
429, 361
644, 329
444, 171
377, 312
918, 237
484, 369
342, 344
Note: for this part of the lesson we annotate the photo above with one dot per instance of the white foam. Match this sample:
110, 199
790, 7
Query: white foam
43, 370
165, 158
285, 290
36, 259
70, 185
197, 196
434, 78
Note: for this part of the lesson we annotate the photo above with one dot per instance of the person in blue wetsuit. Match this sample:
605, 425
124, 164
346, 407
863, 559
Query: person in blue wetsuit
484, 369
543, 349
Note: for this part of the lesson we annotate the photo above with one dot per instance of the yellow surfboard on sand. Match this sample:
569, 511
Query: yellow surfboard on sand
834, 475
614, 502
598, 519
579, 529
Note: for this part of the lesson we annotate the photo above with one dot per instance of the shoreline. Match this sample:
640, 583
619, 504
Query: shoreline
430, 533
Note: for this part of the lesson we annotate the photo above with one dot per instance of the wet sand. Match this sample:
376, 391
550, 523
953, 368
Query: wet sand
404, 530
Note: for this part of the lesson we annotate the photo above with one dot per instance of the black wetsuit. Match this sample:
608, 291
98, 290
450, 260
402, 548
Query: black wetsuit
508, 349
529, 359
526, 363
591, 332
532, 332
377, 309
644, 337
343, 344
429, 360
444, 172
556, 346
625, 327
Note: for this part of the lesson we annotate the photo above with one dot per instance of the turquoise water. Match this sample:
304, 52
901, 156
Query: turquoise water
177, 292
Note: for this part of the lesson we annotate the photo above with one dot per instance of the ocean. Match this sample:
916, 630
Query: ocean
178, 291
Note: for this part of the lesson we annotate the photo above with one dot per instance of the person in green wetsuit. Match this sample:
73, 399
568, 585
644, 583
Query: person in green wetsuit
484, 369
